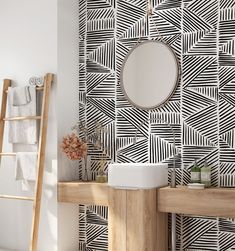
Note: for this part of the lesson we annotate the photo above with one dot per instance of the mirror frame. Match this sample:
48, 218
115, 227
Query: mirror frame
160, 104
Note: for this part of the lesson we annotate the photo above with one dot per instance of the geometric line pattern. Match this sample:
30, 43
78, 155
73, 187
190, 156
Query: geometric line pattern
201, 111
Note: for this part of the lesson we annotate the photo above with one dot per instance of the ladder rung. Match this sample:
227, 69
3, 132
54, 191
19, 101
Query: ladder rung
11, 197
22, 118
37, 88
7, 154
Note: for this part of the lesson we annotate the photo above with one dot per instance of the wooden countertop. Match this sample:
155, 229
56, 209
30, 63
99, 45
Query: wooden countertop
87, 193
218, 202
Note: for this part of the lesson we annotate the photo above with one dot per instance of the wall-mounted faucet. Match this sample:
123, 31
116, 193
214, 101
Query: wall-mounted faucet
172, 174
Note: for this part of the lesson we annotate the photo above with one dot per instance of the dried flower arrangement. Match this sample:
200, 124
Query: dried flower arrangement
74, 147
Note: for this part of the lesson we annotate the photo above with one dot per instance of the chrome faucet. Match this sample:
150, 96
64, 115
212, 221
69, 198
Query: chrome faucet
173, 173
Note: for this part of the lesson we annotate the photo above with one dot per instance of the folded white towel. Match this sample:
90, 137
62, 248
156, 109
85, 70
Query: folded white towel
26, 165
38, 81
23, 131
21, 96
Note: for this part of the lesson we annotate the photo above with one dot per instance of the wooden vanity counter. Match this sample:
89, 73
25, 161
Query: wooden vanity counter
218, 202
147, 208
127, 210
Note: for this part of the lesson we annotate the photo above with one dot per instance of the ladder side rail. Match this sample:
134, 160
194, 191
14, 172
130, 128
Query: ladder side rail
41, 160
6, 85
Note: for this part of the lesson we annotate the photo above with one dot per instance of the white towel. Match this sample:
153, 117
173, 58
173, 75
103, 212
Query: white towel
24, 131
21, 96
26, 169
26, 165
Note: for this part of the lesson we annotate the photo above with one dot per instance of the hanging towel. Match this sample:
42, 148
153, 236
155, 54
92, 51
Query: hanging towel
23, 131
21, 96
26, 164
26, 169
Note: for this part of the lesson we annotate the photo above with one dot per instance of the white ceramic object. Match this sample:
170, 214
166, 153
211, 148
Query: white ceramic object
196, 186
137, 175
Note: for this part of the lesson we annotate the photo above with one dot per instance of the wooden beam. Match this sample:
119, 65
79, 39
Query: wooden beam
218, 202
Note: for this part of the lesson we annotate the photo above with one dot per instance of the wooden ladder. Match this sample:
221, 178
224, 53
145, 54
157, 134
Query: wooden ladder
48, 79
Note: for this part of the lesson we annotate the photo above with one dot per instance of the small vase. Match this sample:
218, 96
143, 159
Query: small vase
86, 163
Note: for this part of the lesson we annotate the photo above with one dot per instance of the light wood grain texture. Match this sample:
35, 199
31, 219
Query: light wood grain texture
87, 193
7, 154
208, 202
12, 197
129, 210
134, 223
141, 221
162, 231
218, 202
41, 160
6, 85
41, 88
117, 220
21, 118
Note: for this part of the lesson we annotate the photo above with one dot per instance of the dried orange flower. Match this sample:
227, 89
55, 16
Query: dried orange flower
73, 147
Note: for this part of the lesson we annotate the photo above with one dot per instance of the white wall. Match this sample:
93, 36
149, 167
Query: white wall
67, 115
28, 46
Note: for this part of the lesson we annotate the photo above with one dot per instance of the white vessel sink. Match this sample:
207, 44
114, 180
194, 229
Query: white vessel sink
137, 175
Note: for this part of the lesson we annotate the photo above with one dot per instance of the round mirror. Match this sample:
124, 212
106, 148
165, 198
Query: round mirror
149, 74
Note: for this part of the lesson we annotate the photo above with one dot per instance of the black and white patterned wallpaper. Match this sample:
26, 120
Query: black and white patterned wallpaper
202, 110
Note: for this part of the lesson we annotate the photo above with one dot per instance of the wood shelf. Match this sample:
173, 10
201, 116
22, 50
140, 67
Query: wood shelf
219, 202
86, 193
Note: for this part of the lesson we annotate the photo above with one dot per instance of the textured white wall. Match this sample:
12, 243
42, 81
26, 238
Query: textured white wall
28, 46
67, 106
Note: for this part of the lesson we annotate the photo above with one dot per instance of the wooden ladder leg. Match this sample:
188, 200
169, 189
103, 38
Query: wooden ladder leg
41, 160
6, 85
